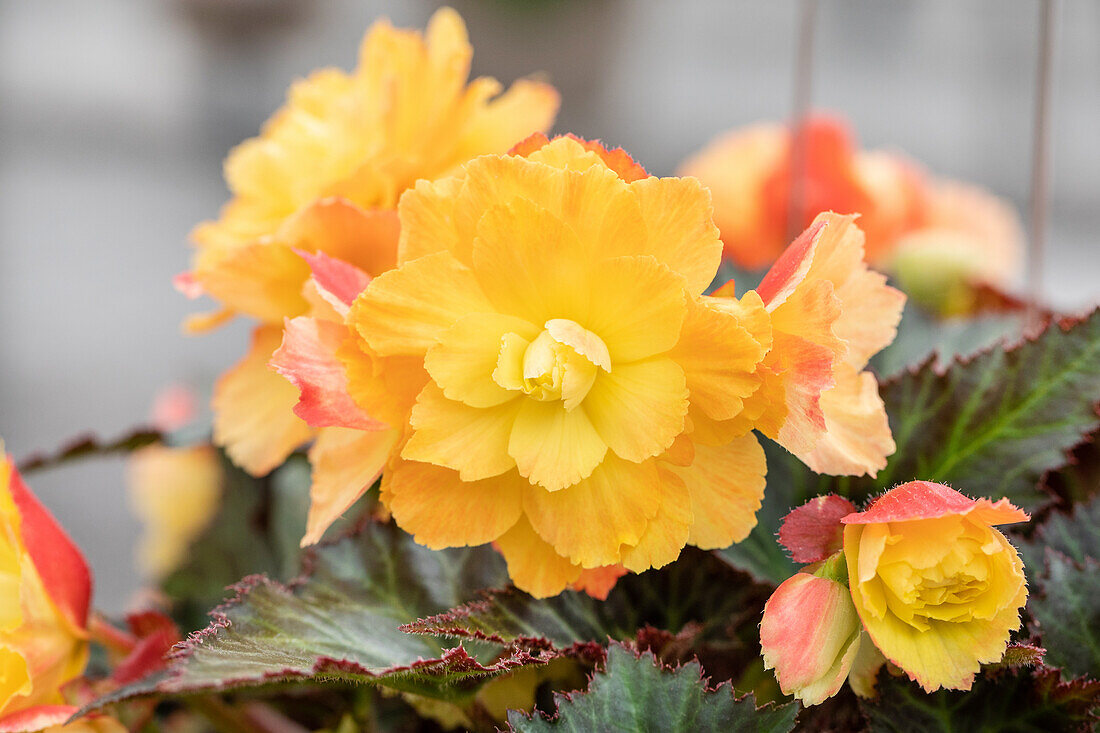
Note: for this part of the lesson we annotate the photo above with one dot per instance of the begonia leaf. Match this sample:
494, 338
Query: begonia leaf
90, 446
994, 424
1065, 611
636, 693
922, 335
340, 622
1021, 700
698, 589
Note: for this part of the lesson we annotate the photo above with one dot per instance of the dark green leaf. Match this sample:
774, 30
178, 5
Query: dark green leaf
993, 425
636, 693
1065, 609
1021, 700
698, 589
341, 622
922, 335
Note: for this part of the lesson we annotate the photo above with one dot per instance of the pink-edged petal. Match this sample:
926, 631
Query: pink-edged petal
813, 531
60, 563
338, 282
307, 357
927, 500
791, 268
38, 717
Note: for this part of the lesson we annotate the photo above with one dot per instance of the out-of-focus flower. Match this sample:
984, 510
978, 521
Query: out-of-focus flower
175, 493
923, 581
45, 590
325, 176
941, 237
555, 381
937, 587
810, 635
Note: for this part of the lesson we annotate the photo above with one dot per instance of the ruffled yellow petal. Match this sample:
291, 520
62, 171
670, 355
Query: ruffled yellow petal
254, 416
726, 486
407, 310
384, 386
554, 447
589, 521
463, 361
639, 408
667, 532
263, 280
470, 440
427, 219
528, 106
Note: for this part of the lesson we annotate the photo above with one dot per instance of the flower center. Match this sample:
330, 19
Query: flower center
561, 363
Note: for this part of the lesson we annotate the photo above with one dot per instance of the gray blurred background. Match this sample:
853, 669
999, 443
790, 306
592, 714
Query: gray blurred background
115, 117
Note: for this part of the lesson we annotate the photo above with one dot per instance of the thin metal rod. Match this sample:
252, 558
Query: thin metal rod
800, 109
1040, 158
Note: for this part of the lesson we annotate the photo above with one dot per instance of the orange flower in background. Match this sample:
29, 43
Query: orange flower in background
45, 590
555, 382
325, 176
947, 230
921, 579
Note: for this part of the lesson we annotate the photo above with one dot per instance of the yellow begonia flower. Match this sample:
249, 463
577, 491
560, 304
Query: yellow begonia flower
325, 175
175, 493
45, 589
937, 588
556, 382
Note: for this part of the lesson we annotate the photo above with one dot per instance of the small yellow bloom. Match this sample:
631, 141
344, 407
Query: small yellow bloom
325, 175
175, 493
45, 588
937, 587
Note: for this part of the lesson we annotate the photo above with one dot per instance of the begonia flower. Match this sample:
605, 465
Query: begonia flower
937, 587
945, 236
45, 590
325, 175
552, 379
923, 581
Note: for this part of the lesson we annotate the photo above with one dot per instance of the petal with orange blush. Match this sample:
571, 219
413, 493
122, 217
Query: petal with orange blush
598, 582
928, 500
345, 464
337, 282
441, 510
533, 564
263, 279
254, 416
365, 238
307, 358
725, 486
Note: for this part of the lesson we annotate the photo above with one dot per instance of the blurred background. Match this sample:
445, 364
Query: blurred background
116, 116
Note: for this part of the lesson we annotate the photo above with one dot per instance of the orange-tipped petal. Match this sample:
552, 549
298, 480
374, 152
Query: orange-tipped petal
857, 437
307, 358
338, 283
364, 238
814, 531
598, 582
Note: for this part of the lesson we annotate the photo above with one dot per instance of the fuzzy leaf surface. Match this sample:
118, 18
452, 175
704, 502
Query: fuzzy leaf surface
991, 426
1066, 613
340, 621
1025, 700
636, 693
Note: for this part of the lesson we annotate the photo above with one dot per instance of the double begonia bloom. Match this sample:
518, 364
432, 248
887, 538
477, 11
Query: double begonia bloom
922, 580
551, 378
932, 231
937, 587
45, 590
325, 176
